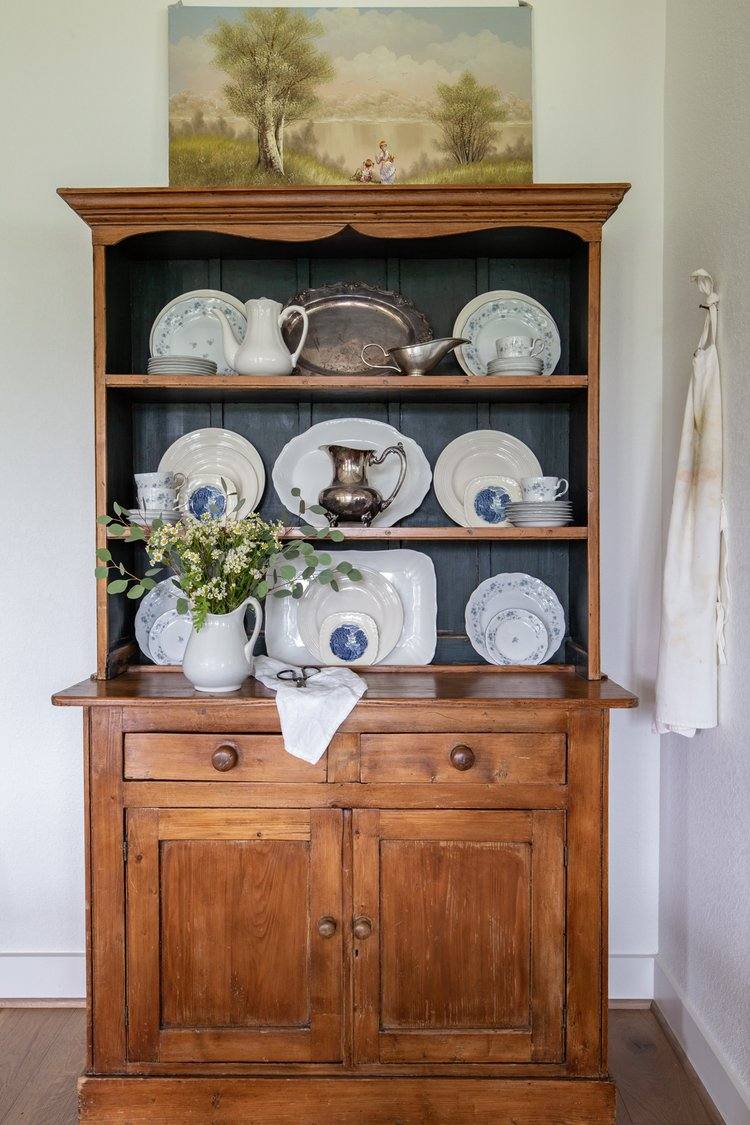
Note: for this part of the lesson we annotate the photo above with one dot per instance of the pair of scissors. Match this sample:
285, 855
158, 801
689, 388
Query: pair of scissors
298, 677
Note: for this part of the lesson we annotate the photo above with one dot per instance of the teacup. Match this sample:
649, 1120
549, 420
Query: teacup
517, 347
543, 488
158, 491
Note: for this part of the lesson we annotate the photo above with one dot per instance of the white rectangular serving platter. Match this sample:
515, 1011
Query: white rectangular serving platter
412, 574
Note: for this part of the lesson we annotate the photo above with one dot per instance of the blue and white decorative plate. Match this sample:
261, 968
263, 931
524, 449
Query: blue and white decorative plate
185, 327
168, 637
348, 638
206, 499
514, 591
163, 597
516, 636
498, 313
487, 501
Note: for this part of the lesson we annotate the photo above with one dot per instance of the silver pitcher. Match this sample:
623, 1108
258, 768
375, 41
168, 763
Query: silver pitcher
350, 497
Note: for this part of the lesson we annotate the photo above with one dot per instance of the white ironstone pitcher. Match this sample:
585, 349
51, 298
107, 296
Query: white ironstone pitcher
262, 351
219, 656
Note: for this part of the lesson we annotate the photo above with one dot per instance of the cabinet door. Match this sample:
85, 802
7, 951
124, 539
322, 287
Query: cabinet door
459, 938
234, 948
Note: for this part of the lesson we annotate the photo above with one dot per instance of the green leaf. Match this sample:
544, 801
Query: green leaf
287, 572
305, 547
282, 593
335, 535
322, 533
147, 583
355, 575
308, 572
325, 577
297, 590
135, 591
103, 554
344, 567
135, 533
153, 570
296, 492
302, 507
104, 519
101, 571
317, 509
334, 585
117, 586
157, 523
182, 605
308, 530
261, 589
116, 530
292, 553
121, 568
118, 509
324, 560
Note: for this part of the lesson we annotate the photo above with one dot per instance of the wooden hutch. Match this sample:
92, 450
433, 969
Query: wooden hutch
415, 928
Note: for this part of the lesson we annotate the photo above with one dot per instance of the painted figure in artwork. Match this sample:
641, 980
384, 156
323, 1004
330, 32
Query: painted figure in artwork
366, 173
387, 164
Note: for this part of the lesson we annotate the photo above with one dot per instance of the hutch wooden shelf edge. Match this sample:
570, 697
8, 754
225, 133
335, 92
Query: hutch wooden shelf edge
415, 927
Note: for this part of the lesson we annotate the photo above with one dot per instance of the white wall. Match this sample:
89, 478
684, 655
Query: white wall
93, 112
704, 954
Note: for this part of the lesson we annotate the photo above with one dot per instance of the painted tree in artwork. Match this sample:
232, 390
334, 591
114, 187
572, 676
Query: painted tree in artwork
468, 114
274, 69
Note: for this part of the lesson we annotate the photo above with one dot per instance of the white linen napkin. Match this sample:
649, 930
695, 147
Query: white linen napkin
311, 715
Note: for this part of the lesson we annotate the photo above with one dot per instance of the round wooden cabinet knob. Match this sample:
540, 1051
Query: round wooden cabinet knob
327, 926
462, 757
362, 928
224, 758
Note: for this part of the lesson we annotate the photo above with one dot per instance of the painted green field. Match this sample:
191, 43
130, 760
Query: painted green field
212, 161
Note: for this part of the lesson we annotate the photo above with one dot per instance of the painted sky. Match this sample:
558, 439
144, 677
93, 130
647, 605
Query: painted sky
399, 49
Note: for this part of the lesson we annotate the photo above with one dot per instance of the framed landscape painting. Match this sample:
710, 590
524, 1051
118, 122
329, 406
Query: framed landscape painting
375, 96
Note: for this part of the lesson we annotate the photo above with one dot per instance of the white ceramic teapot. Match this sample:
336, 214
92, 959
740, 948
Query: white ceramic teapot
262, 351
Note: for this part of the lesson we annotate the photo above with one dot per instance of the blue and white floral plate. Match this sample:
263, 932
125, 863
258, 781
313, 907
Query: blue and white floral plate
516, 636
374, 596
157, 603
348, 638
514, 591
502, 312
185, 327
487, 501
168, 637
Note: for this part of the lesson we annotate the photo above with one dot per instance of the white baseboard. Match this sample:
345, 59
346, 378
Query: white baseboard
631, 976
45, 976
727, 1091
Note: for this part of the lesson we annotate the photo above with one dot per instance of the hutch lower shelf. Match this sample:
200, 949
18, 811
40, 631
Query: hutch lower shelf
412, 930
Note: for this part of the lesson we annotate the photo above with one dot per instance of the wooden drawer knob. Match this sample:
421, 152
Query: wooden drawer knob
462, 757
224, 758
362, 928
327, 926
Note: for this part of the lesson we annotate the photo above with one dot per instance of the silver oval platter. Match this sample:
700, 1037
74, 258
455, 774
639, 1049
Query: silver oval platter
346, 316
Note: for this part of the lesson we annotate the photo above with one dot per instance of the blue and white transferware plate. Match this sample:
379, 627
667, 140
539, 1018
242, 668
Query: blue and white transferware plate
374, 596
487, 501
168, 637
516, 636
349, 638
514, 591
185, 327
503, 312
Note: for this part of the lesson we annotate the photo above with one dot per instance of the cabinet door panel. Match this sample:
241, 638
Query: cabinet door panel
465, 958
225, 959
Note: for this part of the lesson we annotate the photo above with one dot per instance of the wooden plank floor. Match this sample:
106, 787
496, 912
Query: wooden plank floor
42, 1050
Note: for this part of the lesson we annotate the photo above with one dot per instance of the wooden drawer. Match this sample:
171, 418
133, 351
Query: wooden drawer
215, 757
509, 759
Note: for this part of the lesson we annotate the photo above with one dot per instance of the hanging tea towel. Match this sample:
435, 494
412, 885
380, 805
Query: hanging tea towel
695, 589
311, 715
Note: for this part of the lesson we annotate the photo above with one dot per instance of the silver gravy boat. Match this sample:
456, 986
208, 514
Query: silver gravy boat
350, 497
414, 359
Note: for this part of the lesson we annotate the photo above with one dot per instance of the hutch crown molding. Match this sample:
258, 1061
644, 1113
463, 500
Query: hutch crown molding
414, 929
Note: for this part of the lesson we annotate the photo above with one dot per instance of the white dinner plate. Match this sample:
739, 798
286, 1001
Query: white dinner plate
303, 464
185, 326
477, 454
205, 456
503, 312
411, 573
374, 596
514, 591
168, 637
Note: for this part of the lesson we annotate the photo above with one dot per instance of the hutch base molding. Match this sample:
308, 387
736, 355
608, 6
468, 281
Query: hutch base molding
343, 1101
414, 929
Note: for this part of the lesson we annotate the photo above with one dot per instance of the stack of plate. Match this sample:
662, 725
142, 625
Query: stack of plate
144, 517
180, 365
516, 365
162, 633
515, 619
541, 513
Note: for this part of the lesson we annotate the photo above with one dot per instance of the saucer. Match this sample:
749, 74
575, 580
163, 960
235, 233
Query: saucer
516, 636
348, 638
